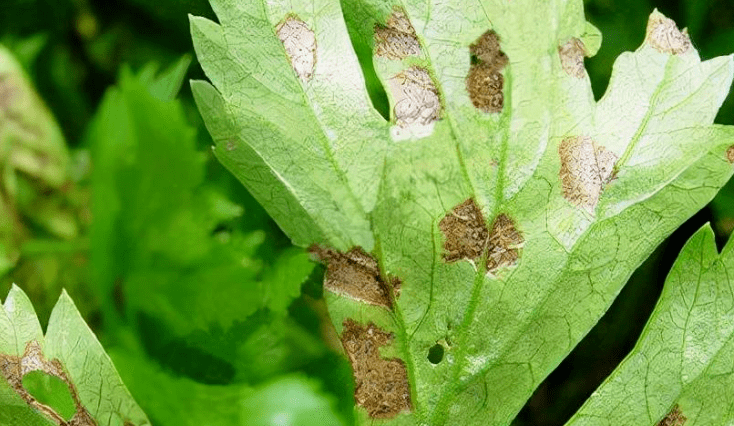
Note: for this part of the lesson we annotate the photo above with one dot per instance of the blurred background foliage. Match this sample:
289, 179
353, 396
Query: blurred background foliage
210, 315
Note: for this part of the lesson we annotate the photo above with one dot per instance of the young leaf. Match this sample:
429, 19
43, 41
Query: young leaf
500, 209
68, 352
681, 365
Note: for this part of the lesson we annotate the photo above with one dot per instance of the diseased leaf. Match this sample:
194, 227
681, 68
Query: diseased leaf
681, 367
68, 352
499, 210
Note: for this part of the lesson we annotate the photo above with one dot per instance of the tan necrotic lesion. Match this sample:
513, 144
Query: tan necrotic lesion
356, 274
674, 418
586, 168
381, 384
415, 97
299, 42
467, 237
664, 36
572, 58
397, 38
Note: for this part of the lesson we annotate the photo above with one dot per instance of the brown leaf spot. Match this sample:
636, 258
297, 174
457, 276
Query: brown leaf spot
381, 385
397, 39
674, 418
13, 368
355, 274
465, 231
504, 244
485, 81
572, 58
415, 97
664, 36
730, 154
300, 46
467, 237
585, 169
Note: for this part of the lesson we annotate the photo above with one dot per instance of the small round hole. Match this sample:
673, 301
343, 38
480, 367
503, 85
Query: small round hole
435, 354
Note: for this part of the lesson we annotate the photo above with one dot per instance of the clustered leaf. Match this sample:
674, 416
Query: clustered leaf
493, 111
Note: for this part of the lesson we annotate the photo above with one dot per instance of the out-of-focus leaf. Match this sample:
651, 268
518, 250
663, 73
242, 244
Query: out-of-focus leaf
171, 248
39, 200
290, 400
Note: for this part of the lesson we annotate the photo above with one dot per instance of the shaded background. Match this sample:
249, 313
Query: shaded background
74, 51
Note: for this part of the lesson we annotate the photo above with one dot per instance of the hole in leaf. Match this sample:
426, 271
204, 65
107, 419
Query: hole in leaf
50, 390
435, 354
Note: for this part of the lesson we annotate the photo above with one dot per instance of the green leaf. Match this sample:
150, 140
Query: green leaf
178, 401
500, 209
682, 361
165, 244
68, 352
156, 220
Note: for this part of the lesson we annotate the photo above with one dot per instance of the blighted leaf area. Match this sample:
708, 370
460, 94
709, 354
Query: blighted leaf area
485, 81
14, 368
504, 245
467, 237
397, 39
416, 99
300, 46
381, 385
674, 418
572, 58
663, 35
585, 170
356, 274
